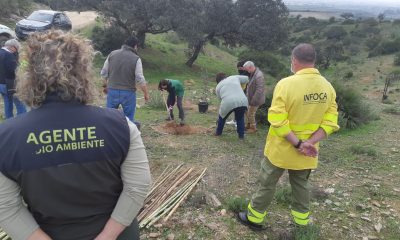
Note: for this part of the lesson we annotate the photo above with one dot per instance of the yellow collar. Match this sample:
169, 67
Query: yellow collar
308, 71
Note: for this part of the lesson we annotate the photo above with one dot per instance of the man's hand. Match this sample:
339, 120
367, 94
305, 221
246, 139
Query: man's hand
145, 91
111, 230
10, 92
105, 89
38, 234
308, 149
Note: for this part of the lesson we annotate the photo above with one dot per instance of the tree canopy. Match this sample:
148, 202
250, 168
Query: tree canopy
259, 24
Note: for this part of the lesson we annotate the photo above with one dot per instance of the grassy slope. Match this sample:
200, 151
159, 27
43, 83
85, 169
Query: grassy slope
233, 166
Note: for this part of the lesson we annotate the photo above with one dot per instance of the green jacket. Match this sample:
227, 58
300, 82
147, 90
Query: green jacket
178, 86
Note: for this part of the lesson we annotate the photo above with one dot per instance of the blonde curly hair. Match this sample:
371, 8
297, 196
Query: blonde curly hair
58, 63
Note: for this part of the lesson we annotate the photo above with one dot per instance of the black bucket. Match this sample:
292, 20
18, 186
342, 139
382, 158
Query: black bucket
203, 107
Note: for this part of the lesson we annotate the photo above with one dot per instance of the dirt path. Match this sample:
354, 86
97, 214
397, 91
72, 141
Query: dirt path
82, 19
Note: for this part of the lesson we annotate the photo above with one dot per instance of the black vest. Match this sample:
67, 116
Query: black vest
66, 157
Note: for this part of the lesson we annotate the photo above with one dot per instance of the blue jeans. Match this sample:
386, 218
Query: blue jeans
126, 98
9, 100
239, 117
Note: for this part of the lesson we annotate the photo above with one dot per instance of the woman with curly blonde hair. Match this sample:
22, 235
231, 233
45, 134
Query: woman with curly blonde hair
82, 170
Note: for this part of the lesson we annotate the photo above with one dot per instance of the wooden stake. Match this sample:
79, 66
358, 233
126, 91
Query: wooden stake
187, 193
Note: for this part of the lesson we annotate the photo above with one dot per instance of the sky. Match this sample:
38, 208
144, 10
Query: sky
391, 3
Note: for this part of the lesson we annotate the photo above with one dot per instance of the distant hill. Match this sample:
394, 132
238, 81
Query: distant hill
370, 8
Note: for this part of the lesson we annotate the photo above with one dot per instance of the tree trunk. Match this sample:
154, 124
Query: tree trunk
197, 48
141, 35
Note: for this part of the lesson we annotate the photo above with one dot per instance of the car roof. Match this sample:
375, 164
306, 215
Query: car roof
48, 11
3, 26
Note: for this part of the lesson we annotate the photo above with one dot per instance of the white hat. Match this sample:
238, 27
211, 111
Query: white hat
13, 43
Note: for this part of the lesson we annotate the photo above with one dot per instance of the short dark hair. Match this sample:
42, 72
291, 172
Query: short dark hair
163, 82
220, 76
132, 41
241, 63
305, 53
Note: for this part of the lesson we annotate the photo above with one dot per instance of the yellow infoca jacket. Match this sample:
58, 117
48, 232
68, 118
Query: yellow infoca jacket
302, 103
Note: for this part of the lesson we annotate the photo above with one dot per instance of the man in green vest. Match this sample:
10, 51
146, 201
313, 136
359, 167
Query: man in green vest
175, 91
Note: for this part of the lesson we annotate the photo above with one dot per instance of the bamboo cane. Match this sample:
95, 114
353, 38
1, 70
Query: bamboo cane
168, 194
161, 176
170, 203
175, 201
167, 208
167, 202
164, 194
170, 173
187, 193
163, 208
178, 181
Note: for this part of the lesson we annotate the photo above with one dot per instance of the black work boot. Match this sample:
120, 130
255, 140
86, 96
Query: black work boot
242, 217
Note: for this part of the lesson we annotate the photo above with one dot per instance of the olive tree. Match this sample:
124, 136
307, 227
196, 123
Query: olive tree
259, 24
133, 16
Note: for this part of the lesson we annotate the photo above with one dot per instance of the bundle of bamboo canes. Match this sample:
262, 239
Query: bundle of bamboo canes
3, 235
167, 193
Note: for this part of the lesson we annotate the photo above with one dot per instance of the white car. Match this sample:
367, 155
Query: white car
5, 34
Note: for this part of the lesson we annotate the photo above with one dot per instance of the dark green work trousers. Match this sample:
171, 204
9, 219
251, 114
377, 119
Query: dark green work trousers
268, 179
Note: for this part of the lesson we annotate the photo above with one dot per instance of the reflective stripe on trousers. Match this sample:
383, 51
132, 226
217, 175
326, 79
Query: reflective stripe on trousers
300, 218
255, 216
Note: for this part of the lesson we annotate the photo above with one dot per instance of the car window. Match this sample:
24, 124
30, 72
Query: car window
57, 19
64, 19
41, 17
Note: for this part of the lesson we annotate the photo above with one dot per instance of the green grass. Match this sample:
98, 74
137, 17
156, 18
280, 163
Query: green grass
165, 59
237, 204
392, 110
283, 195
311, 232
392, 229
363, 150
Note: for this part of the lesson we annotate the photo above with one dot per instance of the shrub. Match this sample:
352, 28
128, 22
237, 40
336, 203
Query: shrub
335, 32
348, 75
348, 22
172, 37
108, 39
363, 150
387, 101
354, 112
370, 22
156, 100
386, 47
268, 62
18, 7
305, 38
392, 110
373, 42
389, 47
396, 22
237, 204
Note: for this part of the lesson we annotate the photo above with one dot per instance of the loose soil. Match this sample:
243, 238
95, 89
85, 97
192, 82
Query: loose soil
176, 129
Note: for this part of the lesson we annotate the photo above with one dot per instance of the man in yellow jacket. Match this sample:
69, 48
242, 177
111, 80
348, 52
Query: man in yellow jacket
302, 113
